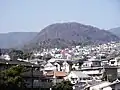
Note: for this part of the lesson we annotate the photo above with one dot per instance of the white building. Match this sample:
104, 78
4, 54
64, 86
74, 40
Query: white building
115, 62
49, 67
65, 67
6, 57
78, 76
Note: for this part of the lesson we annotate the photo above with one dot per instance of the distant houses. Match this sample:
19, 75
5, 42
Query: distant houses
87, 68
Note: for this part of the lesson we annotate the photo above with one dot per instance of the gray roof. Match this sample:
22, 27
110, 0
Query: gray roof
94, 82
80, 74
16, 62
80, 86
35, 74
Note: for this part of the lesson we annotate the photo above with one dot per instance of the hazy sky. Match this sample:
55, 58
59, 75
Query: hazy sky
33, 15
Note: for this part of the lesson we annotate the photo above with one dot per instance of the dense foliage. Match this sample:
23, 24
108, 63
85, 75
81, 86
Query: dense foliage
64, 85
10, 79
15, 54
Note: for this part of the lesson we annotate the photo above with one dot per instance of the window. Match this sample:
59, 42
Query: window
112, 62
95, 63
84, 78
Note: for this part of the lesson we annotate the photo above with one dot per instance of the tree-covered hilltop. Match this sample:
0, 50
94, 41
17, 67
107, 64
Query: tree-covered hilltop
70, 34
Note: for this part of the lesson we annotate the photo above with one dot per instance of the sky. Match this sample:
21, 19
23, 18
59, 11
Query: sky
34, 15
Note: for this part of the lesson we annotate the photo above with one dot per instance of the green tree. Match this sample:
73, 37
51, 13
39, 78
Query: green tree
12, 79
15, 54
64, 85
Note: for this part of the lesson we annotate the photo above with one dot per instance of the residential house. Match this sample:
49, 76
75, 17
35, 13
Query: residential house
91, 63
66, 66
77, 64
78, 76
36, 79
58, 65
50, 67
57, 76
6, 57
115, 61
33, 77
92, 68
36, 61
104, 62
110, 73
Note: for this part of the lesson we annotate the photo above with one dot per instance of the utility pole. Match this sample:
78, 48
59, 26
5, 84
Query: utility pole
32, 77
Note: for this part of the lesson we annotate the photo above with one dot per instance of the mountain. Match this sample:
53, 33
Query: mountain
15, 39
71, 33
115, 31
58, 35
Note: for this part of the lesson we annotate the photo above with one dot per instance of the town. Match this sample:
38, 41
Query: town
59, 45
91, 67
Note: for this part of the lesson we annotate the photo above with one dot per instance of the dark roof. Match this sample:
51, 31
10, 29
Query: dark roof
113, 67
94, 82
80, 86
60, 62
35, 74
2, 61
80, 83
77, 61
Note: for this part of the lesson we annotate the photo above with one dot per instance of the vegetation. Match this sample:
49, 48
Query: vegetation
62, 35
64, 85
11, 79
14, 54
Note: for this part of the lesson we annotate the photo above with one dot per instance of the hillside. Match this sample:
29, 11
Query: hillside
68, 34
115, 31
15, 39
57, 35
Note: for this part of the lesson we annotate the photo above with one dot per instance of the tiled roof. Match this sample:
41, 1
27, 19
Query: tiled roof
56, 73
